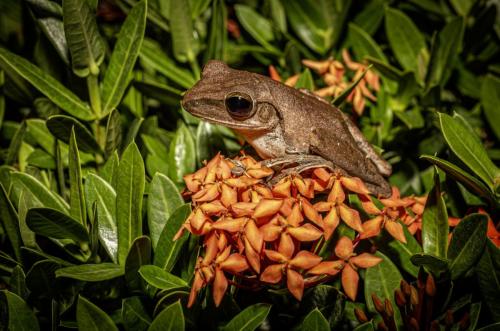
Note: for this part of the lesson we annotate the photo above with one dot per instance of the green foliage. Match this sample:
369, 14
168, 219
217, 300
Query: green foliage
94, 145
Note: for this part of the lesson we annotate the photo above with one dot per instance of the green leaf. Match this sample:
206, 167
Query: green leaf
15, 144
412, 118
182, 155
368, 326
475, 311
329, 300
17, 282
84, 41
209, 141
468, 149
181, 27
60, 126
99, 191
130, 188
249, 319
278, 15
134, 315
161, 279
363, 44
406, 41
305, 80
152, 55
161, 92
345, 93
167, 250
10, 222
90, 317
124, 56
488, 274
20, 316
169, 319
385, 69
315, 321
54, 224
139, 255
462, 7
46, 84
435, 222
217, 38
92, 272
436, 265
164, 198
490, 99
257, 26
113, 132
467, 243
39, 192
382, 280
76, 194
470, 182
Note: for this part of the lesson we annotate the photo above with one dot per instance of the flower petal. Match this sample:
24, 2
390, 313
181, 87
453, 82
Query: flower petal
310, 212
228, 195
330, 223
350, 217
197, 219
275, 256
306, 189
305, 260
253, 235
322, 174
219, 286
344, 248
267, 207
211, 249
272, 274
230, 224
327, 268
234, 263
365, 260
368, 205
371, 228
354, 184
213, 208
295, 217
350, 279
252, 256
337, 193
243, 208
260, 172
282, 189
197, 285
210, 193
295, 283
395, 229
306, 232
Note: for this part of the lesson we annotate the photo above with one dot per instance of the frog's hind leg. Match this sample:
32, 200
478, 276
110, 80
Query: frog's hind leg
300, 162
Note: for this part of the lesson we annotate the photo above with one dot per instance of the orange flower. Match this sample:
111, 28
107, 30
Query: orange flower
348, 263
291, 267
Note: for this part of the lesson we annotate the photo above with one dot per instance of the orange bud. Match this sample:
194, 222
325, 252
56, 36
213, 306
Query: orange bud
197, 219
273, 73
395, 229
319, 66
344, 248
292, 80
371, 228
365, 260
224, 169
306, 232
286, 208
282, 189
305, 260
213, 208
354, 184
197, 285
219, 286
234, 263
295, 283
241, 182
272, 274
192, 184
230, 224
211, 249
211, 192
327, 268
369, 206
272, 230
325, 91
350, 279
267, 207
330, 223
350, 217
212, 166
322, 174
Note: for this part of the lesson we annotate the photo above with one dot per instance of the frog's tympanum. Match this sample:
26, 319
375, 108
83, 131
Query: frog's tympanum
286, 126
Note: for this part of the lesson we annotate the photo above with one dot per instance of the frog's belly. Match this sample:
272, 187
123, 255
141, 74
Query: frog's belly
268, 145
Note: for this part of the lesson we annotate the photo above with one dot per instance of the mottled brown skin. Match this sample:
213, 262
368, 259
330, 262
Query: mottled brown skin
288, 126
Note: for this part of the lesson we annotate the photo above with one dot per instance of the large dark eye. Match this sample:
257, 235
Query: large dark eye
239, 105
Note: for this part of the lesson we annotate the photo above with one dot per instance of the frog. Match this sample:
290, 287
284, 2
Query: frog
289, 128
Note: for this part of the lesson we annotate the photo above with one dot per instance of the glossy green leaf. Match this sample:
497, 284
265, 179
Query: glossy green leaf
436, 265
124, 55
164, 198
382, 280
209, 141
368, 326
490, 99
15, 144
329, 300
134, 315
91, 317
17, 282
102, 193
406, 41
488, 275
132, 132
161, 279
305, 80
363, 44
167, 250
169, 319
76, 195
278, 15
20, 316
138, 255
468, 149
345, 93
385, 69
41, 159
467, 244
155, 146
435, 222
109, 172
217, 38
161, 92
182, 155
183, 43
249, 319
92, 272
26, 201
53, 28
462, 7
39, 192
315, 321
129, 191
60, 126
84, 41
152, 55
10, 222
257, 26
46, 84
113, 132
444, 52
52, 223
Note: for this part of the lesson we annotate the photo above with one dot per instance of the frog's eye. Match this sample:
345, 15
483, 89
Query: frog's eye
239, 105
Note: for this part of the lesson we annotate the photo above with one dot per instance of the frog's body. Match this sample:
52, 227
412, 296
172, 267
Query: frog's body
284, 124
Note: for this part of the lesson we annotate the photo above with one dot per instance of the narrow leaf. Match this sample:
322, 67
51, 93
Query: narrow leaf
76, 195
90, 317
435, 222
181, 25
20, 316
182, 156
10, 222
60, 126
249, 319
488, 274
169, 319
161, 279
91, 272
134, 315
54, 224
139, 255
490, 99
113, 132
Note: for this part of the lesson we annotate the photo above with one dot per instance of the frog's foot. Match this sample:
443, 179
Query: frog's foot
301, 163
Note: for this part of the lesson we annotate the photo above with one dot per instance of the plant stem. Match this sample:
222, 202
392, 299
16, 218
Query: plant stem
94, 95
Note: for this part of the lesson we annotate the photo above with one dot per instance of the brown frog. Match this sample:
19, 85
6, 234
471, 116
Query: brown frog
285, 125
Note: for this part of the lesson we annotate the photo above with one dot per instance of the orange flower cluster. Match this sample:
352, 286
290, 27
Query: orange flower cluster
268, 234
334, 75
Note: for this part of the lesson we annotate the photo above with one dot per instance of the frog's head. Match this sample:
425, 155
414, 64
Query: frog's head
233, 98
